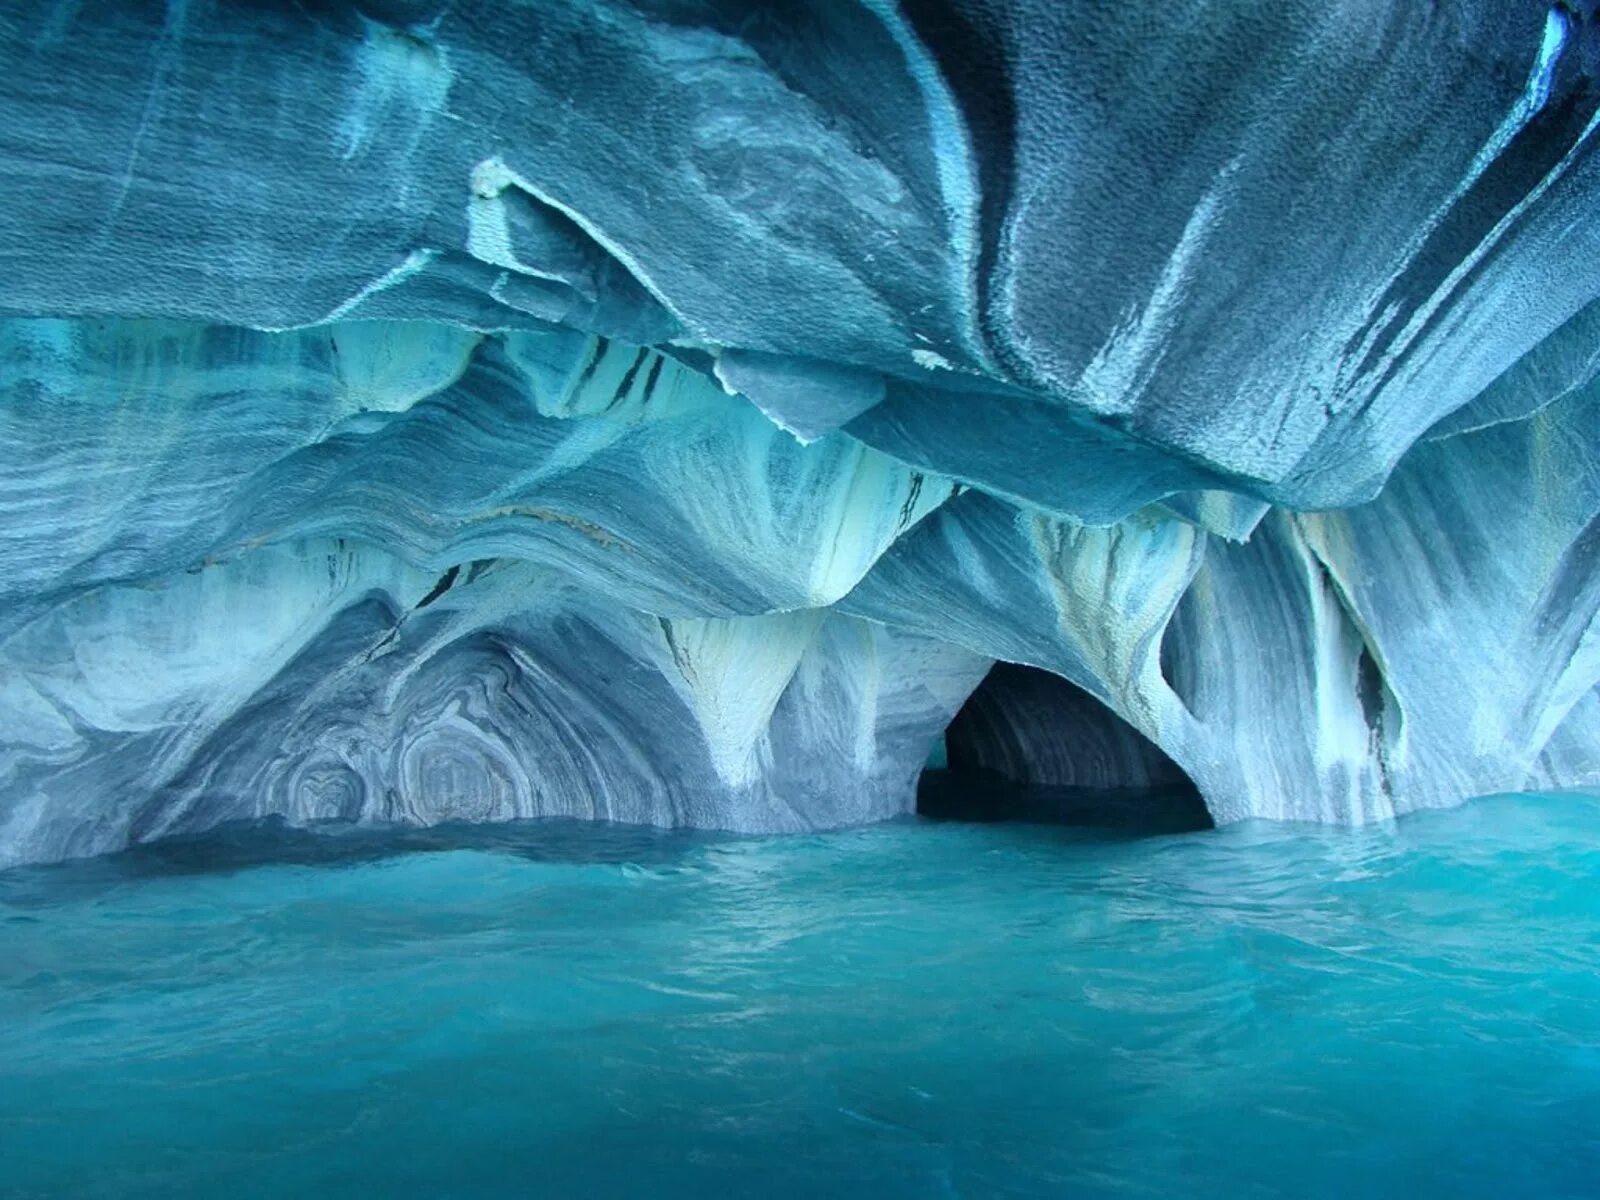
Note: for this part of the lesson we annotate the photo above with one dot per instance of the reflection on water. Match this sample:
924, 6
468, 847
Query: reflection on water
914, 1009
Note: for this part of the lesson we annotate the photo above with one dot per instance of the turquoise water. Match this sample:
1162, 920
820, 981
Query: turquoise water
915, 1009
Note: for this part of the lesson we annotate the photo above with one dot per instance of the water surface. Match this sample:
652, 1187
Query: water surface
916, 1009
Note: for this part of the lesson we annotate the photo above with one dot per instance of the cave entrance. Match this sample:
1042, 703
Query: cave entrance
1030, 746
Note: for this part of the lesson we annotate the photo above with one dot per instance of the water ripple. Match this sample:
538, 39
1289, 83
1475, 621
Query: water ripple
912, 1009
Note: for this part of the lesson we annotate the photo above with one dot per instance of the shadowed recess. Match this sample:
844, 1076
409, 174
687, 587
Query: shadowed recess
1030, 746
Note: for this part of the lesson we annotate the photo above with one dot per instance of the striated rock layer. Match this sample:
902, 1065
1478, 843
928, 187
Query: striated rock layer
669, 410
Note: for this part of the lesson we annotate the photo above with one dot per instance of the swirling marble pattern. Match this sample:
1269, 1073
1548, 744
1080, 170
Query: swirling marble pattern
415, 411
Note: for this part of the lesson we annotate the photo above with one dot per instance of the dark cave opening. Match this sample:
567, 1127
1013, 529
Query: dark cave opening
1030, 746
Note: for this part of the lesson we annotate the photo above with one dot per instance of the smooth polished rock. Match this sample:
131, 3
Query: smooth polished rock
667, 410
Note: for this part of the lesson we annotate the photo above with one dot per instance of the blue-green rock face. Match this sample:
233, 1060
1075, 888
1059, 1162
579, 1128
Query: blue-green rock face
668, 411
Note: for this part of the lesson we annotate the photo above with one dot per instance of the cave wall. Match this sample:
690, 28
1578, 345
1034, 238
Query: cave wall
420, 411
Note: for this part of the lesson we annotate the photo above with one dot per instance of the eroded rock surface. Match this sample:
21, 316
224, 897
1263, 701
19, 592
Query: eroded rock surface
668, 411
